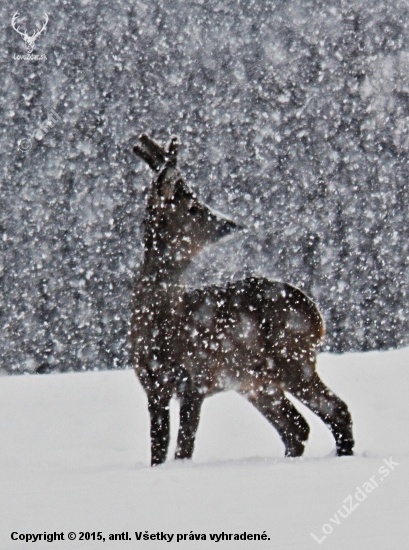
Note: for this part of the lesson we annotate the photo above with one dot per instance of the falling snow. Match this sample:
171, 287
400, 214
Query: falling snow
293, 119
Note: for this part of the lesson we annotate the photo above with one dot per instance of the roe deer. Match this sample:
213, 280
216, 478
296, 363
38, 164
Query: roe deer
255, 336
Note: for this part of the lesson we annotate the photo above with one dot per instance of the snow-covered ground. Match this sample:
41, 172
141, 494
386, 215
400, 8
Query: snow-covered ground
74, 458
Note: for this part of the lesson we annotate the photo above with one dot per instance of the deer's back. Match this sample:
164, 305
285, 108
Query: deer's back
225, 335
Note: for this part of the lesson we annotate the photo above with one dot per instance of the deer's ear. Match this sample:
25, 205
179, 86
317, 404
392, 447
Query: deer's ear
167, 180
182, 191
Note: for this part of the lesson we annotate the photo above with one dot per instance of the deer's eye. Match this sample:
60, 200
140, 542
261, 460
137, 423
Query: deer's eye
193, 210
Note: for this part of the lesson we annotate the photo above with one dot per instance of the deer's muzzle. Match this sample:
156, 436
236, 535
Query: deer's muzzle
228, 228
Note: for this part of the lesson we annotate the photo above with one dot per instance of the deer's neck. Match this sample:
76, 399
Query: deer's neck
161, 271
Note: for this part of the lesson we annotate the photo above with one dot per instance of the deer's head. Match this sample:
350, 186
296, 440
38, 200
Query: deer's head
177, 225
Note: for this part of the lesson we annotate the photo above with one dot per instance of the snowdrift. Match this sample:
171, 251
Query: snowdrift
75, 449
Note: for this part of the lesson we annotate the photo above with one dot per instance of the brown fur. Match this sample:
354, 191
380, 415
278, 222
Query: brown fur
255, 336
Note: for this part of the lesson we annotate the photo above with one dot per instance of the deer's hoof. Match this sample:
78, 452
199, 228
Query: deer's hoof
295, 450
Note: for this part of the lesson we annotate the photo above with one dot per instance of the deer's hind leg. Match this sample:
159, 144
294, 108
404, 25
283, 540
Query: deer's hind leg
306, 385
281, 413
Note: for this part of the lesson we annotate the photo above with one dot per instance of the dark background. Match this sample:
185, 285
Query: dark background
294, 120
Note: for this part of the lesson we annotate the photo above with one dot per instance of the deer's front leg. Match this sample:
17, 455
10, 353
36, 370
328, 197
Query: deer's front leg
190, 406
160, 429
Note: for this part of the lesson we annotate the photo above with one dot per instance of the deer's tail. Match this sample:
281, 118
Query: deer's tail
310, 308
